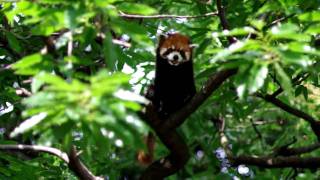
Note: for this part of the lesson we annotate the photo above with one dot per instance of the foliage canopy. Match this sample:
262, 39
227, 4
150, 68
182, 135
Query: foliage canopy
71, 73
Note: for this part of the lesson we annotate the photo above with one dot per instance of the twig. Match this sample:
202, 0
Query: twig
255, 128
100, 37
23, 92
5, 67
295, 81
70, 44
224, 22
166, 16
279, 20
220, 125
121, 43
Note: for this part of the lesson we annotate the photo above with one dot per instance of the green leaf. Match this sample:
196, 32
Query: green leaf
310, 16
110, 55
137, 32
13, 42
285, 81
53, 20
104, 3
105, 84
239, 46
250, 79
314, 29
57, 83
259, 24
295, 58
237, 32
28, 61
302, 90
135, 8
258, 74
288, 31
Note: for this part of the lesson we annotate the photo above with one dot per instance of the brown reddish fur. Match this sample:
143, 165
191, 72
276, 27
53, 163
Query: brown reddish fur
179, 41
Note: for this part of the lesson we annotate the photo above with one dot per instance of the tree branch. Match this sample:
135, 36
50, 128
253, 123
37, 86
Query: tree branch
211, 85
223, 20
295, 81
270, 161
278, 162
315, 125
20, 147
179, 153
285, 151
71, 159
166, 16
79, 168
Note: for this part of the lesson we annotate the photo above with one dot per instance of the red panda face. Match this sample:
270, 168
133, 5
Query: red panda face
175, 48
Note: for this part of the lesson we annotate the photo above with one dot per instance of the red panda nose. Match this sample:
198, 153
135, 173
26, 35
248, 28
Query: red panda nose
175, 57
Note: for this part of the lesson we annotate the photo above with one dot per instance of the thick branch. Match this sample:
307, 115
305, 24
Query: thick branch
179, 153
35, 148
79, 168
212, 84
278, 162
285, 151
166, 16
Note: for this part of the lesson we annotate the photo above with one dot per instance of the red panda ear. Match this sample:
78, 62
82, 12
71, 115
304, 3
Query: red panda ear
162, 37
192, 46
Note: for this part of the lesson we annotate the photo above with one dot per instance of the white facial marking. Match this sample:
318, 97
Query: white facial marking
173, 55
188, 54
162, 51
174, 58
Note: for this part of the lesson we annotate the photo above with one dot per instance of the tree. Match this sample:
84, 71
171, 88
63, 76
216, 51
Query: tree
73, 75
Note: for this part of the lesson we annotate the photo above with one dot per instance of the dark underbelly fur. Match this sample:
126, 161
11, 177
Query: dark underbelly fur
173, 88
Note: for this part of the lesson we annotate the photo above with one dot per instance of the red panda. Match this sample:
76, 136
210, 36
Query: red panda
173, 85
174, 82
